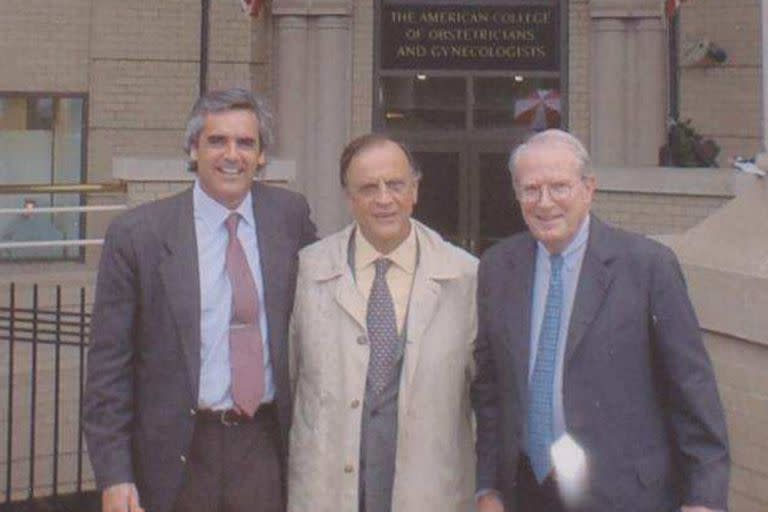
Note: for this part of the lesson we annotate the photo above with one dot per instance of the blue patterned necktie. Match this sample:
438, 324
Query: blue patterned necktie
541, 387
382, 329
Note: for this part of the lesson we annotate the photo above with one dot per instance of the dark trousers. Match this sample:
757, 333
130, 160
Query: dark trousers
234, 468
535, 497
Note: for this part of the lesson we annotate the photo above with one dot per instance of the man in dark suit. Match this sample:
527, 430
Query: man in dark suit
588, 344
187, 401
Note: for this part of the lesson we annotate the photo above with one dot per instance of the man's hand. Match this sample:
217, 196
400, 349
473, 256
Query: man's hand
490, 503
120, 498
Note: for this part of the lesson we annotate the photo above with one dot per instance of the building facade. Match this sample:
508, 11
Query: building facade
97, 90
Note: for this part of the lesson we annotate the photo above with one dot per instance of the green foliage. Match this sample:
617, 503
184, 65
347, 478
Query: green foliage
687, 148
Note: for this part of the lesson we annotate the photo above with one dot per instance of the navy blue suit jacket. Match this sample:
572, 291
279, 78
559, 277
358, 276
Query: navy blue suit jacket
639, 393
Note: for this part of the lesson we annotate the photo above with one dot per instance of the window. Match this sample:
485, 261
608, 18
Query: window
41, 143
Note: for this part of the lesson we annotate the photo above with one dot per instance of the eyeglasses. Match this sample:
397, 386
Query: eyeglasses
371, 190
530, 194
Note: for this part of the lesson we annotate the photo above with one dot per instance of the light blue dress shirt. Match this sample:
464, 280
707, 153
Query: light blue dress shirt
573, 255
216, 296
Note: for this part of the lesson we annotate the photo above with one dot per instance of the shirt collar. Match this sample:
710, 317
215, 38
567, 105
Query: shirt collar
404, 255
573, 249
214, 214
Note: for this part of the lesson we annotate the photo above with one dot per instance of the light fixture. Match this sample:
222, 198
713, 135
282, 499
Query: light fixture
519, 78
421, 76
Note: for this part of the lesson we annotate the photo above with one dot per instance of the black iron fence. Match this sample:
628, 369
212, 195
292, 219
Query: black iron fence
43, 339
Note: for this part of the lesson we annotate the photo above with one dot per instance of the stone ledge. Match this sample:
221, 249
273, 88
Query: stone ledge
725, 259
175, 169
626, 9
311, 7
667, 181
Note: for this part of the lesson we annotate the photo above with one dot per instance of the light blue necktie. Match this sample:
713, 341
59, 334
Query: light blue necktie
541, 387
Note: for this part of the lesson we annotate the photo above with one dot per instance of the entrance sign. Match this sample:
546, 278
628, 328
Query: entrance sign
470, 37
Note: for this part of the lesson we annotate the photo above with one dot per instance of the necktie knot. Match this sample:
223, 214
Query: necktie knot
231, 223
382, 265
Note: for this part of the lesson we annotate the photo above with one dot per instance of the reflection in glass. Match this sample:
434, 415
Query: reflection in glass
40, 143
503, 102
422, 102
438, 204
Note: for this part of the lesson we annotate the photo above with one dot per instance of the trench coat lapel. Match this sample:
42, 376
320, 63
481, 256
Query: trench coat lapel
425, 297
350, 299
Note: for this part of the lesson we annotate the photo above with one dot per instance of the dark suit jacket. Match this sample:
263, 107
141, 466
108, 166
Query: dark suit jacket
144, 357
639, 393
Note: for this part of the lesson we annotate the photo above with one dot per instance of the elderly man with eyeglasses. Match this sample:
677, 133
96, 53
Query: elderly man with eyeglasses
381, 338
594, 391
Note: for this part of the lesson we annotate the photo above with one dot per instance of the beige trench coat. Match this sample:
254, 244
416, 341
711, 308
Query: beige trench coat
435, 462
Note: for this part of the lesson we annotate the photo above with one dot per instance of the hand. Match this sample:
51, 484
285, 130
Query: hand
686, 508
120, 498
490, 503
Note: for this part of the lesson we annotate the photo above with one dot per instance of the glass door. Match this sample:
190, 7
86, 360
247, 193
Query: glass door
443, 202
495, 213
466, 192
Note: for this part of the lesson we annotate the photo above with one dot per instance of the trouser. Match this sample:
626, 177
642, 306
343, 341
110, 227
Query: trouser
233, 466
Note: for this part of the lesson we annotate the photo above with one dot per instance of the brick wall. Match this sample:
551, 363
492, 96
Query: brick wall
144, 191
44, 45
723, 100
655, 214
740, 367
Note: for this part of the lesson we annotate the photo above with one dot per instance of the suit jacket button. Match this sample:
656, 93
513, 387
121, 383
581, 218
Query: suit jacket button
355, 403
183, 459
362, 340
349, 468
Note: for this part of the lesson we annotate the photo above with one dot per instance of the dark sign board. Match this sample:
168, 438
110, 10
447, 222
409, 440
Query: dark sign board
470, 37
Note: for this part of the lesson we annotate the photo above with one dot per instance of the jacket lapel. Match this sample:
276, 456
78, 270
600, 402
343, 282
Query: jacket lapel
517, 310
594, 280
274, 267
179, 275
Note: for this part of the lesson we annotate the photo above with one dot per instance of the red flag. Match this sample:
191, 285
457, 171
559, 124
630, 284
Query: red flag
252, 7
671, 7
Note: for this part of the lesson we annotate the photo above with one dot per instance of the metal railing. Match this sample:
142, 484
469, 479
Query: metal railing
59, 188
83, 188
43, 339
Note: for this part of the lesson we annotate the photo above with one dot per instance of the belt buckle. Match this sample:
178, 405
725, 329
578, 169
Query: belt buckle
226, 421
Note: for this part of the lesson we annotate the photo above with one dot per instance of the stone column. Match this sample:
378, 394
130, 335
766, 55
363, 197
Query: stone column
628, 82
312, 96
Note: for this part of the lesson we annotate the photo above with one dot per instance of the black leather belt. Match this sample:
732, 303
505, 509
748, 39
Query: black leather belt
233, 417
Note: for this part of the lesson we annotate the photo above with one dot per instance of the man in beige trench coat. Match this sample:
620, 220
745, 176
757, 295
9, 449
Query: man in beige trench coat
382, 337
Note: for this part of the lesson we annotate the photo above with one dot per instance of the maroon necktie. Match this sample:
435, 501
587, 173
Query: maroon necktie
246, 353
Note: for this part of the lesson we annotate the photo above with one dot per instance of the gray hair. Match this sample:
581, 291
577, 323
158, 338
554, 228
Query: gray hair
554, 137
222, 101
